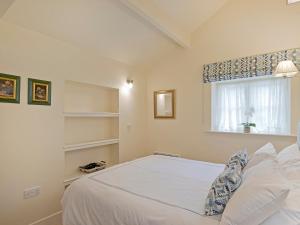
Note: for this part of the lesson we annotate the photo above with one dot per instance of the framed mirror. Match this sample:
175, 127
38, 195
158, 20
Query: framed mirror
164, 104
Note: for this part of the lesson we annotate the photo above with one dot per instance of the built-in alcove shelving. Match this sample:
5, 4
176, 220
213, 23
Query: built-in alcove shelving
91, 126
70, 180
92, 144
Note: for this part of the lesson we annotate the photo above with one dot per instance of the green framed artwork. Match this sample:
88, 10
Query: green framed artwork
9, 88
39, 92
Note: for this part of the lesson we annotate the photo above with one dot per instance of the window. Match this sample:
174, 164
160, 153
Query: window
265, 102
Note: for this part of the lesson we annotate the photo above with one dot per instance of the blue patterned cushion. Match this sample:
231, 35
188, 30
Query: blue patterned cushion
222, 189
239, 158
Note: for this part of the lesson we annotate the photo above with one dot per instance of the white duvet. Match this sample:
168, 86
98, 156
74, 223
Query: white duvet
155, 190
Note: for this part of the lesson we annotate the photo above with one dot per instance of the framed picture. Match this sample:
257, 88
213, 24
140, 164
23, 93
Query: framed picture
39, 92
9, 88
164, 104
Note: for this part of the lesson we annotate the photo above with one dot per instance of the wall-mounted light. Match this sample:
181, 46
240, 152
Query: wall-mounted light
129, 83
127, 86
286, 69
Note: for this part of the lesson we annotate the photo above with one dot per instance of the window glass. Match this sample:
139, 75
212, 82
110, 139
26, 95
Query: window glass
264, 103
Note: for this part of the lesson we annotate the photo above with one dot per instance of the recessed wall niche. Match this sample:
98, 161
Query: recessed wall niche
91, 126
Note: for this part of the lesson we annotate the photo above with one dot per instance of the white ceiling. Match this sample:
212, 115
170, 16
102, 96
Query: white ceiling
102, 25
4, 5
108, 26
190, 14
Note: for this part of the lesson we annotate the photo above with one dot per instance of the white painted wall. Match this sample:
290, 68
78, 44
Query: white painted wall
241, 28
31, 137
31, 157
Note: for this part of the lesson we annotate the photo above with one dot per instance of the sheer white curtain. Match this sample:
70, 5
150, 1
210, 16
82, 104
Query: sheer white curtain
268, 99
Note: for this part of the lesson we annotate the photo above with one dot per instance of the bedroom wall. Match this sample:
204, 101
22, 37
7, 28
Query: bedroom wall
31, 137
240, 28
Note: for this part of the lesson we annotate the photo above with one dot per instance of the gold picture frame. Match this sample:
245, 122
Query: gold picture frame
164, 104
39, 92
9, 88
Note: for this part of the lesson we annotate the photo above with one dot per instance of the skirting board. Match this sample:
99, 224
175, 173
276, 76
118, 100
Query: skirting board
53, 219
166, 154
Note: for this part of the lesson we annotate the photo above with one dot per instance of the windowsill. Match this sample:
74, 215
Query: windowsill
258, 134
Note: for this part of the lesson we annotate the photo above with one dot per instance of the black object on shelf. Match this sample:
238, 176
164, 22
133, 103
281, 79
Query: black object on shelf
93, 167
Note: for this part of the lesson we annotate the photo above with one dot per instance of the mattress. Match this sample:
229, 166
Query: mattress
154, 190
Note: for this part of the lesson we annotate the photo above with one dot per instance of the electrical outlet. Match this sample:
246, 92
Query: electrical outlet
31, 192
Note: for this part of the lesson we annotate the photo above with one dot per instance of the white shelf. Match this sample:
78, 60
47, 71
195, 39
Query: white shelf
91, 114
70, 180
92, 144
76, 177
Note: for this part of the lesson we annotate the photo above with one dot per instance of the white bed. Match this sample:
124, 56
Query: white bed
155, 190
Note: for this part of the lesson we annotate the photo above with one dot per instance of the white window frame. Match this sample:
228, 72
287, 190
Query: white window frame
240, 130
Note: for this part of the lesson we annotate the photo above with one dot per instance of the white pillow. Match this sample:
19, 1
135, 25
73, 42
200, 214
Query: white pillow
289, 155
261, 195
262, 170
290, 212
289, 160
268, 151
284, 217
292, 171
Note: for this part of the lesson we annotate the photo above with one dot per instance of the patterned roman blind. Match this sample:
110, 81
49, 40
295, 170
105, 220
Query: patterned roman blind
252, 66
